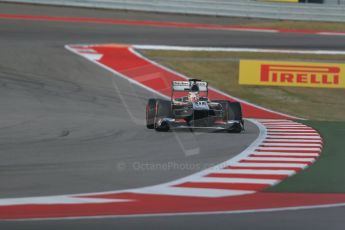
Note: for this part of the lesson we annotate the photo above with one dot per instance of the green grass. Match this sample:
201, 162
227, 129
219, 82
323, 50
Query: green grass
300, 25
326, 175
220, 69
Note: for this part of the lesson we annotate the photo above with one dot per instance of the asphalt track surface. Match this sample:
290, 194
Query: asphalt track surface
65, 129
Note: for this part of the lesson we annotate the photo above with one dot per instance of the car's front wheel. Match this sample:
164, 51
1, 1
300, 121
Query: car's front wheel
235, 113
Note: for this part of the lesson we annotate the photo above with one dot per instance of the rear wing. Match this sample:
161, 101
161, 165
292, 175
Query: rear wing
186, 86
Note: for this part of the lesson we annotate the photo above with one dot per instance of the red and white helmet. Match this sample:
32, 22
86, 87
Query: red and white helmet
193, 97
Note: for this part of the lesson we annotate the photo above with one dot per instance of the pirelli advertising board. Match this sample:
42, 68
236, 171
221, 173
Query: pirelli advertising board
303, 74
294, 1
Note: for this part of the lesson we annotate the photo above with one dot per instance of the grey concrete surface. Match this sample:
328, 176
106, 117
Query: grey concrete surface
64, 128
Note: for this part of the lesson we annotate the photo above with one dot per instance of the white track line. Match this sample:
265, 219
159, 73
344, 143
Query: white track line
192, 192
286, 126
290, 129
278, 165
292, 141
235, 180
293, 133
286, 154
56, 200
217, 49
280, 159
291, 149
258, 172
290, 144
294, 137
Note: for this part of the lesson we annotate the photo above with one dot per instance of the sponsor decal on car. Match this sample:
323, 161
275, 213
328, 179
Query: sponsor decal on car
304, 74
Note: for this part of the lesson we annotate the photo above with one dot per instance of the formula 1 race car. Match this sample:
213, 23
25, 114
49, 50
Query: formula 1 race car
191, 108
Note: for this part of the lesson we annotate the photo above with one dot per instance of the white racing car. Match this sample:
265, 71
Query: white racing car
190, 107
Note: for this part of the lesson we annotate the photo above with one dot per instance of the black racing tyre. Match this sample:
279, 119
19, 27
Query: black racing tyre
235, 113
163, 110
232, 111
150, 113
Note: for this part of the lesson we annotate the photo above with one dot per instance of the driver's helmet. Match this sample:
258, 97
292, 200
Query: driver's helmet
193, 97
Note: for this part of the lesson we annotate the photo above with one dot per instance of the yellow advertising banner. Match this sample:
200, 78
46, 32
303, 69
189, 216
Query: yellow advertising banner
303, 74
293, 1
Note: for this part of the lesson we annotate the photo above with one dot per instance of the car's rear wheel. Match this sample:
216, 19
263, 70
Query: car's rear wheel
150, 113
163, 110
